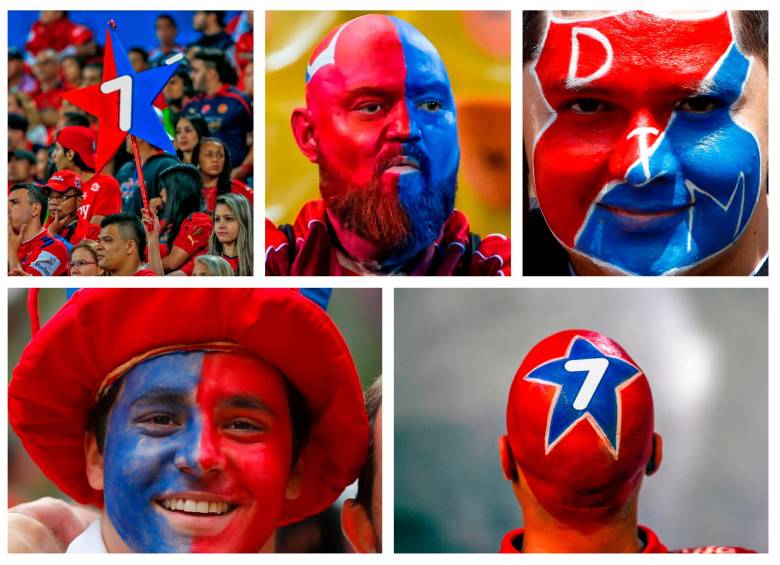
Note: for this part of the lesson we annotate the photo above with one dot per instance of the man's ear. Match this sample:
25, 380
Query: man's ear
303, 131
295, 482
94, 461
508, 464
357, 527
657, 455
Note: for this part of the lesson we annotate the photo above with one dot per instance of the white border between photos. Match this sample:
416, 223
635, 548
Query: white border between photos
388, 284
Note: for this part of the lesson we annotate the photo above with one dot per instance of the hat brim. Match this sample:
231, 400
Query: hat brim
54, 386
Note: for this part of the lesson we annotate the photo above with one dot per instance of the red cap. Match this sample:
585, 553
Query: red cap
580, 423
55, 384
64, 180
81, 140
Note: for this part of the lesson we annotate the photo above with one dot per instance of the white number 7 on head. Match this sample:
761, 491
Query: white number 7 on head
124, 85
596, 369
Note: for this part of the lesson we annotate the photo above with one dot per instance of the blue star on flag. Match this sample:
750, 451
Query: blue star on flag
588, 383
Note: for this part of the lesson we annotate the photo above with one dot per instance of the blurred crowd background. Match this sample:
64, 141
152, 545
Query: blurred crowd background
704, 352
475, 47
356, 312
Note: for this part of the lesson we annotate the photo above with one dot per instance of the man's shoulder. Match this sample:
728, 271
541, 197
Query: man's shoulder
488, 255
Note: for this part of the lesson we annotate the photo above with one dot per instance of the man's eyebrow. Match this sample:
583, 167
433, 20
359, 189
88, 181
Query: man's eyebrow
245, 401
563, 86
162, 395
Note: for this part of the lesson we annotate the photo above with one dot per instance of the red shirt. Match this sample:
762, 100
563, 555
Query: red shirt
145, 273
77, 231
44, 256
49, 99
57, 35
102, 197
513, 543
316, 253
236, 187
193, 237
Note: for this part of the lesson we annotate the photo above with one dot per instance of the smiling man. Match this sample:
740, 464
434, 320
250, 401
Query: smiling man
646, 140
380, 123
204, 435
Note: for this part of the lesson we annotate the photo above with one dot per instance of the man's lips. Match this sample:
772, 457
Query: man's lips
197, 513
645, 214
402, 164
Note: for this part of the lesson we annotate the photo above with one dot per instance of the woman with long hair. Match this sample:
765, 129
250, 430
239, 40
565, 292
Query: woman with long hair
232, 235
212, 157
185, 226
190, 129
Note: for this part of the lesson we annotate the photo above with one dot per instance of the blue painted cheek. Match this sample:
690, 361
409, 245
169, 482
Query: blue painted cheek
139, 467
706, 159
428, 198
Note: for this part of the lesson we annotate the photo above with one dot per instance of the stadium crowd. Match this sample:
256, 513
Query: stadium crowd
64, 217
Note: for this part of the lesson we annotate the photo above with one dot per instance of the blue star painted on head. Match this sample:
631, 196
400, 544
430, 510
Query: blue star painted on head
147, 85
589, 384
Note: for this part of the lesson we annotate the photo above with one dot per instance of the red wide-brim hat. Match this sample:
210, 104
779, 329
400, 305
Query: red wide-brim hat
99, 334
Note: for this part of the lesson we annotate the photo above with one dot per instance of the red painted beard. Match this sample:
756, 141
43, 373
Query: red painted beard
372, 212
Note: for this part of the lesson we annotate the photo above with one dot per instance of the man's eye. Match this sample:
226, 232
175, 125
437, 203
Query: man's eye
698, 104
161, 420
587, 106
430, 106
370, 108
244, 425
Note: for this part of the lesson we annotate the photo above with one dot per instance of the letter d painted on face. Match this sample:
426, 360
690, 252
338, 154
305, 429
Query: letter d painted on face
574, 81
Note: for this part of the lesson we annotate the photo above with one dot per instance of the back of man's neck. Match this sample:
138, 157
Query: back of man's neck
613, 538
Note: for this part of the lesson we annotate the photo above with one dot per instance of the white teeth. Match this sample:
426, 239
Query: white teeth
195, 506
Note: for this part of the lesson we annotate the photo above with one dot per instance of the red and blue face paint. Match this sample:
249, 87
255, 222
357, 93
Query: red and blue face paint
386, 133
198, 453
641, 165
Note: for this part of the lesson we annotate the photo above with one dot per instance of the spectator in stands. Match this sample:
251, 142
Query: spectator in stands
17, 132
232, 236
91, 74
178, 91
55, 31
121, 246
211, 266
227, 110
185, 227
211, 156
166, 30
31, 250
153, 160
21, 166
19, 77
64, 193
71, 71
84, 260
50, 87
211, 25
139, 59
75, 150
190, 129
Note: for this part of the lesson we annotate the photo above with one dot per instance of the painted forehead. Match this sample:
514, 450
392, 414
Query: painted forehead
374, 49
605, 52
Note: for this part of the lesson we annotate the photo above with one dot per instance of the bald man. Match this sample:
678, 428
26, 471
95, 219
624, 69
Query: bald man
380, 124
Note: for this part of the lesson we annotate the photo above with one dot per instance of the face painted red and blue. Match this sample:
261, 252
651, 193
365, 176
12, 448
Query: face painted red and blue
386, 134
198, 453
642, 166
580, 424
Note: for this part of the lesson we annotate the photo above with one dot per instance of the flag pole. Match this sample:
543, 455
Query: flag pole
140, 169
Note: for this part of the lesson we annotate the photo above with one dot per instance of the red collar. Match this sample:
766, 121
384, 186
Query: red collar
514, 540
